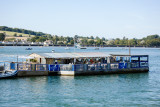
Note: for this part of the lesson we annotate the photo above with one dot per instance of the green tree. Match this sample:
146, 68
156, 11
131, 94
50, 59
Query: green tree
97, 38
133, 42
91, 42
33, 39
2, 36
152, 37
60, 43
72, 42
68, 39
84, 41
76, 38
55, 39
117, 41
91, 37
103, 39
121, 42
41, 39
20, 35
50, 37
99, 42
15, 35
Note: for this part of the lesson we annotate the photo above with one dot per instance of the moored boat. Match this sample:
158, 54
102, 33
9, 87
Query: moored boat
53, 50
83, 48
8, 74
28, 49
8, 69
67, 48
96, 48
80, 47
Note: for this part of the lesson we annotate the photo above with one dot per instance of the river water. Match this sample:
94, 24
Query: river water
139, 89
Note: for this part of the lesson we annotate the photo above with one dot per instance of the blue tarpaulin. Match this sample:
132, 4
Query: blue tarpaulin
12, 65
122, 65
53, 67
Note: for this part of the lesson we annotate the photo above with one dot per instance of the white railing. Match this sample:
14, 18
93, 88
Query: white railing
66, 67
79, 67
24, 67
114, 66
41, 67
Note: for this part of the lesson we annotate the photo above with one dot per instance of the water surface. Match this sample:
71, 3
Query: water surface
139, 89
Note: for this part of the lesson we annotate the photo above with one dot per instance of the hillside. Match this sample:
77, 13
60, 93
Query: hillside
32, 36
17, 36
23, 31
20, 34
11, 34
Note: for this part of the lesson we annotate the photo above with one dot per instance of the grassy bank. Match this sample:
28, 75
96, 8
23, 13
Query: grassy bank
11, 34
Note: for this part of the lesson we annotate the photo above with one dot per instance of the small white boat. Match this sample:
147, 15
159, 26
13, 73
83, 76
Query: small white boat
53, 50
79, 46
8, 74
67, 48
96, 48
124, 48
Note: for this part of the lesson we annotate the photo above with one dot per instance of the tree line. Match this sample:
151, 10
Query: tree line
30, 32
148, 41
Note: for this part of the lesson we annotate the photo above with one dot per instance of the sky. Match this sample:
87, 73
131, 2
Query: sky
102, 18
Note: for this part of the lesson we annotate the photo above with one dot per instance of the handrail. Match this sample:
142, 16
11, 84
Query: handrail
81, 67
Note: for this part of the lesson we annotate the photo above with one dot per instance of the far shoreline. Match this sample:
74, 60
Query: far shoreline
73, 45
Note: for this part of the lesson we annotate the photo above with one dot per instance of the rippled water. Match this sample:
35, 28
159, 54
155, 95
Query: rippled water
139, 89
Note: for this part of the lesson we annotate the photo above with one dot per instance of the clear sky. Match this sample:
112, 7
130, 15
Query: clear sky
103, 18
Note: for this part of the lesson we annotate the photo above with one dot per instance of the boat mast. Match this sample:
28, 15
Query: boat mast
129, 48
74, 49
74, 44
17, 59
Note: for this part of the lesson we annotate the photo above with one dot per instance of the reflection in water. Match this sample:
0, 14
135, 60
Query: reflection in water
37, 84
73, 91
